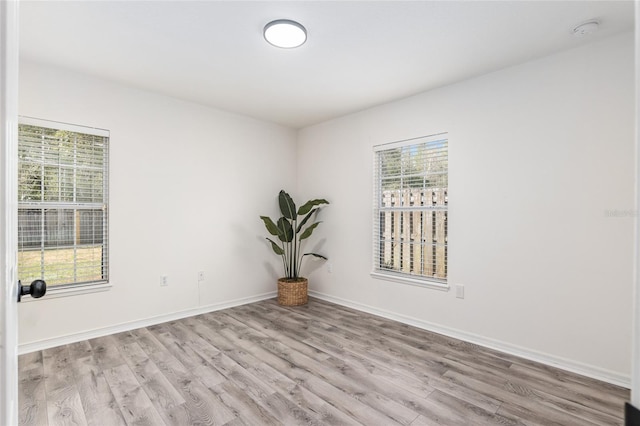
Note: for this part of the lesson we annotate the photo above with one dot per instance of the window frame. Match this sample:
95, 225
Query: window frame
83, 287
379, 272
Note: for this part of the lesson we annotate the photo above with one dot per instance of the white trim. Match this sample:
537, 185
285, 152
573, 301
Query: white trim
635, 355
132, 325
57, 125
419, 282
412, 141
9, 59
543, 358
54, 293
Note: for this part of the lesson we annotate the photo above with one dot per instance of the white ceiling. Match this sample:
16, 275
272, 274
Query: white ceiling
358, 54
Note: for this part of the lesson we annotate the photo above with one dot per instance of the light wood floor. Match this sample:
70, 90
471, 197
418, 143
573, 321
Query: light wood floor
262, 364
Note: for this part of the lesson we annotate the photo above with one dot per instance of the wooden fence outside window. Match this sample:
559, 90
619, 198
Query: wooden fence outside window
413, 232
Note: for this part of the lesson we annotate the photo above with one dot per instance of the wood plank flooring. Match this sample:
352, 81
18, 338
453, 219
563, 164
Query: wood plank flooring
319, 364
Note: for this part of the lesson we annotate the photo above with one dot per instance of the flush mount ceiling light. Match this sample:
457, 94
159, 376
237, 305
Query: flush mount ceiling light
586, 28
285, 33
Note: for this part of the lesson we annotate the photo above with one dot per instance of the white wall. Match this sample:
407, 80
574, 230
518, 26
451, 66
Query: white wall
187, 186
538, 154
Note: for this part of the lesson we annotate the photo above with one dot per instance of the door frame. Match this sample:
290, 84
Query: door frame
8, 212
635, 359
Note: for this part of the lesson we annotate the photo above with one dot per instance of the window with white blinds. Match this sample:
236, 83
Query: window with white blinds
410, 210
62, 203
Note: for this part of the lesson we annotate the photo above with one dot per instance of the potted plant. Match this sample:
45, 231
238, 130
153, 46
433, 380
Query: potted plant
292, 288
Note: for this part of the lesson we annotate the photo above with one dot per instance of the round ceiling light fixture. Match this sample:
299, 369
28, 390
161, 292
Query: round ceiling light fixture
285, 33
586, 28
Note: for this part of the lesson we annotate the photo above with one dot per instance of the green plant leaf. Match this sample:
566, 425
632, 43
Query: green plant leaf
307, 232
285, 230
276, 247
305, 220
287, 206
316, 255
271, 227
310, 204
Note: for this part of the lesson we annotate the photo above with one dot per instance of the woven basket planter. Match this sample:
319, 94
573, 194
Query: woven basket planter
292, 292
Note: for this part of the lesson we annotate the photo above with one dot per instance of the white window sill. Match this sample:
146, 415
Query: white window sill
404, 279
54, 293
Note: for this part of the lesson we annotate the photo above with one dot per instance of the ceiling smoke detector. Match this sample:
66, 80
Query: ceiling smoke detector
586, 28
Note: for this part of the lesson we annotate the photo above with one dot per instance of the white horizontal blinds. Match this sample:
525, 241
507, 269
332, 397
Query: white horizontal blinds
410, 207
62, 203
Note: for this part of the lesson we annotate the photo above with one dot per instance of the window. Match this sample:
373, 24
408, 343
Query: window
62, 204
410, 211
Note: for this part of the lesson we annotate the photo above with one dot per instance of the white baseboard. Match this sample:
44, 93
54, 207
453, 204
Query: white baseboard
132, 325
554, 361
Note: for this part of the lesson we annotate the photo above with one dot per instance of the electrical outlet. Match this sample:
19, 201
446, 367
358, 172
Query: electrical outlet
329, 268
164, 280
460, 291
200, 276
